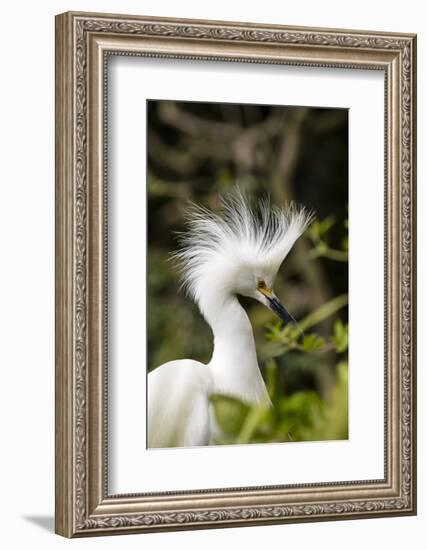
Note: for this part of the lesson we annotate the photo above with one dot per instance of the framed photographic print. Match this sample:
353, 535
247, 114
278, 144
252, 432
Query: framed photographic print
235, 274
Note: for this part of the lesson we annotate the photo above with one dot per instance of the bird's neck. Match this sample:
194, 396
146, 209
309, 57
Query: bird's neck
234, 364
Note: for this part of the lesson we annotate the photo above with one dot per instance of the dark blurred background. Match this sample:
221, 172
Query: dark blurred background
197, 151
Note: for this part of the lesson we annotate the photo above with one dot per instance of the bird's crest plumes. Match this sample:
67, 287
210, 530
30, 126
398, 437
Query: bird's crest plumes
217, 247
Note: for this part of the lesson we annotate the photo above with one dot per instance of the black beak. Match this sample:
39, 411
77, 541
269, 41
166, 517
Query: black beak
280, 310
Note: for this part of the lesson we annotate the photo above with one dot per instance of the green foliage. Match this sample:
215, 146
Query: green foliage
301, 416
312, 342
340, 337
230, 413
318, 233
283, 339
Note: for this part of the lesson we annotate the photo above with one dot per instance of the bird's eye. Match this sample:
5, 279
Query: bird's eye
262, 285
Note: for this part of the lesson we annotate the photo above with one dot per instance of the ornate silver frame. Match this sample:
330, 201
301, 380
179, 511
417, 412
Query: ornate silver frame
83, 42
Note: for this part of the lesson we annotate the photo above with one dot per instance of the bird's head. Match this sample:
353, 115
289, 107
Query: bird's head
261, 289
239, 250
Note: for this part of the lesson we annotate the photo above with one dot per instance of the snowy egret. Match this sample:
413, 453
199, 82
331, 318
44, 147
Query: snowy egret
235, 252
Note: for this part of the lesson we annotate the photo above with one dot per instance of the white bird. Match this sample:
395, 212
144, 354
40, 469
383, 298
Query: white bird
235, 252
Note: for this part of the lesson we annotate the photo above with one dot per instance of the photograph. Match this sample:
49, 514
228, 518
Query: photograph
247, 273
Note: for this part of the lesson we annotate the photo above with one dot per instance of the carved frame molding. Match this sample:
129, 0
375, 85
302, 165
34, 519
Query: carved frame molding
83, 43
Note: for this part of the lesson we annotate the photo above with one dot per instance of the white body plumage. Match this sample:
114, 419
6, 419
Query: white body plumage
237, 252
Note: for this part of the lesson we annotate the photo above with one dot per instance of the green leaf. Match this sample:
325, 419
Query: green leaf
325, 225
344, 244
271, 376
340, 337
312, 342
319, 229
313, 232
323, 312
252, 421
230, 413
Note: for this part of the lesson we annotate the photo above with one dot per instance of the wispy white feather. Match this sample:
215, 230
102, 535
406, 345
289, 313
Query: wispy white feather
239, 237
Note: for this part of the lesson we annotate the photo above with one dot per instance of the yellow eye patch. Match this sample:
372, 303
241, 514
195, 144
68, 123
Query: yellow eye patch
263, 288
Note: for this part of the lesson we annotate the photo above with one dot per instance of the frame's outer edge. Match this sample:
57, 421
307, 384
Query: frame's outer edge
410, 261
73, 515
414, 272
64, 277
